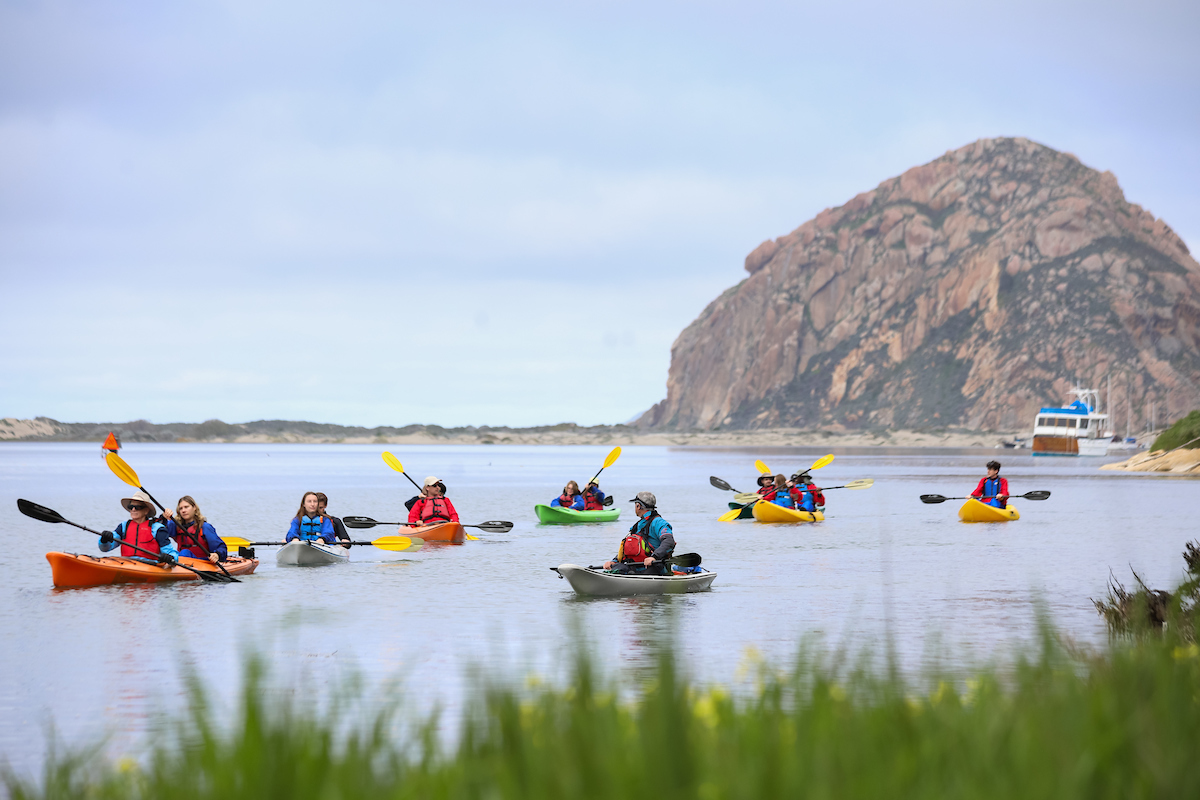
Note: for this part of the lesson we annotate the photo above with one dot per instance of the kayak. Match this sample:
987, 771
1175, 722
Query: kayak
300, 553
769, 512
74, 569
747, 511
556, 515
438, 533
975, 511
598, 583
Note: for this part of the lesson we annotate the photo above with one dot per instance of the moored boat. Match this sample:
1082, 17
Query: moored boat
70, 570
438, 533
301, 553
598, 583
975, 511
769, 512
1074, 430
557, 515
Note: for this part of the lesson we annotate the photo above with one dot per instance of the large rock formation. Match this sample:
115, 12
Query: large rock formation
969, 291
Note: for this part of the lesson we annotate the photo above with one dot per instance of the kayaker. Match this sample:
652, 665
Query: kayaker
781, 493
766, 485
140, 530
593, 498
339, 528
309, 524
193, 534
992, 490
649, 543
570, 498
432, 506
806, 494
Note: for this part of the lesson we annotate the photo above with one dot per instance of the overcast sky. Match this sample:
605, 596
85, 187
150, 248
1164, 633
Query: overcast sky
492, 213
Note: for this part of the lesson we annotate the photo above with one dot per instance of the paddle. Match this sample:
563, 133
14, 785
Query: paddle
492, 526
44, 514
609, 460
395, 543
687, 561
722, 485
732, 514
762, 468
1037, 494
395, 464
126, 473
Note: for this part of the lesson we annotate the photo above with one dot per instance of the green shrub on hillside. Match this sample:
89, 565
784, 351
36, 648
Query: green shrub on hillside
1182, 432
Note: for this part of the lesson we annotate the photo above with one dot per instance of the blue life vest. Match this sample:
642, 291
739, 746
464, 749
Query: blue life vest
991, 488
310, 528
784, 498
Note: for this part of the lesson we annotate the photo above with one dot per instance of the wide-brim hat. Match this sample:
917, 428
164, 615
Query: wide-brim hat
140, 497
765, 477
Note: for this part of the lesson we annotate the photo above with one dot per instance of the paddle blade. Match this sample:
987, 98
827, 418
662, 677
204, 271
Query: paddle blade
933, 498
612, 457
392, 461
1039, 494
608, 500
745, 497
686, 560
359, 522
720, 484
122, 470
729, 516
763, 468
235, 541
398, 543
865, 483
494, 526
39, 512
823, 461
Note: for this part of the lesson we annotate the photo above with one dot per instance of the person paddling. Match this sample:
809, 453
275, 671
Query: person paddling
781, 493
193, 534
806, 494
431, 506
339, 528
649, 542
142, 531
766, 485
992, 490
570, 498
593, 498
309, 524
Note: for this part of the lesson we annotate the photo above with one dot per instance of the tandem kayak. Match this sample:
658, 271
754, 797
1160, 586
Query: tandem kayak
73, 569
598, 583
769, 512
975, 511
556, 515
300, 553
438, 533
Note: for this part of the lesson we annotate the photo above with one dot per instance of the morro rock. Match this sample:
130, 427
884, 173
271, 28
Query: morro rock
968, 291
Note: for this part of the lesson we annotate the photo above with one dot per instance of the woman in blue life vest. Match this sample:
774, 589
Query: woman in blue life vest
992, 490
193, 534
309, 524
593, 498
571, 498
783, 493
650, 541
149, 535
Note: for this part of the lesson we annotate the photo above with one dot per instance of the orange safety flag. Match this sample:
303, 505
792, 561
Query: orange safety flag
111, 443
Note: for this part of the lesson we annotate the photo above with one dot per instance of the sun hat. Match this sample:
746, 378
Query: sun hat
767, 477
431, 480
140, 497
646, 499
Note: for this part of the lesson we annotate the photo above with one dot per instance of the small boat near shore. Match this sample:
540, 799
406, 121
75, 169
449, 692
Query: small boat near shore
1074, 430
300, 553
591, 582
75, 570
557, 515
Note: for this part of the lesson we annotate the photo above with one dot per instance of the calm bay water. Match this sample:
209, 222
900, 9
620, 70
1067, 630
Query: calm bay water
882, 566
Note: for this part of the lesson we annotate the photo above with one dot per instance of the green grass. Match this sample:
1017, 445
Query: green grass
1182, 432
1057, 724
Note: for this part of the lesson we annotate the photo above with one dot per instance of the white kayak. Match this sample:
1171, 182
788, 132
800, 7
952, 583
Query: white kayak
598, 583
297, 553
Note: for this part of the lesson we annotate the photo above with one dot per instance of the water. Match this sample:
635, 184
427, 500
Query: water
883, 566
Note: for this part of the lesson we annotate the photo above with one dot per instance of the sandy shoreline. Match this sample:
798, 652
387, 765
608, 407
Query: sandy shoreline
1173, 462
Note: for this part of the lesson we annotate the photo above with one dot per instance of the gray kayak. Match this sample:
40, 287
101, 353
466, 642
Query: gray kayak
297, 553
598, 583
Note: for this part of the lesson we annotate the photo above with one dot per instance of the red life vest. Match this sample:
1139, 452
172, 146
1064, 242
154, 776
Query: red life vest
192, 538
591, 501
142, 535
565, 500
434, 508
634, 548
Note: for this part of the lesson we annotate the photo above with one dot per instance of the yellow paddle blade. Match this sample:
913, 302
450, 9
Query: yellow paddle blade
122, 470
823, 461
398, 543
235, 541
612, 457
392, 461
730, 515
865, 483
763, 468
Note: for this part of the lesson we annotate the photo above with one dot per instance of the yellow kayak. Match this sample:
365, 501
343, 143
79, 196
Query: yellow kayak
975, 511
769, 512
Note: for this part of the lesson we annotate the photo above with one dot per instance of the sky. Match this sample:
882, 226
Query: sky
469, 213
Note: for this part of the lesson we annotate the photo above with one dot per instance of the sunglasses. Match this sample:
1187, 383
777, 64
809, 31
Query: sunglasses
137, 507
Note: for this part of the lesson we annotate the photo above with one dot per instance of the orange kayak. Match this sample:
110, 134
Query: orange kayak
74, 569
444, 532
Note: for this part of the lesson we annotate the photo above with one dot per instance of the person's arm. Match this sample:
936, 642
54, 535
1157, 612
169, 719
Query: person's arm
165, 545
979, 489
414, 513
555, 503
577, 503
293, 530
450, 509
215, 543
328, 535
1004, 490
118, 534
666, 540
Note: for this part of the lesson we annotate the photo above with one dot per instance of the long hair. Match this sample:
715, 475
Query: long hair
568, 490
780, 481
301, 513
198, 518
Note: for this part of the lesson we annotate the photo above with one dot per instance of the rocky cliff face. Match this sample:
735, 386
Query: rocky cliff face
968, 291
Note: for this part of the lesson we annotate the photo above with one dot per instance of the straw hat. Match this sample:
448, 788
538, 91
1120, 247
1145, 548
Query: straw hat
140, 497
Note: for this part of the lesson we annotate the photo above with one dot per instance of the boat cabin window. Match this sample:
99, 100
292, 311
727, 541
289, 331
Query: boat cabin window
1083, 423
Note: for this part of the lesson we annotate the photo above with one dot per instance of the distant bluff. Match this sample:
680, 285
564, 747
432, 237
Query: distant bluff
968, 291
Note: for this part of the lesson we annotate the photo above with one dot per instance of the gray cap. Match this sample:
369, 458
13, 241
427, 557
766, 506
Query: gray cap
646, 499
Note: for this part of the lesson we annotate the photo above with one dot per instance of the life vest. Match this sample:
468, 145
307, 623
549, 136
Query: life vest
592, 501
566, 500
140, 534
784, 498
991, 490
805, 498
192, 538
634, 548
434, 508
311, 527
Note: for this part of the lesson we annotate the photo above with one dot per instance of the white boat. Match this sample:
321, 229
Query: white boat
598, 583
298, 553
1074, 430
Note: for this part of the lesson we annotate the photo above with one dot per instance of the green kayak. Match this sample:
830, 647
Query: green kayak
554, 515
747, 510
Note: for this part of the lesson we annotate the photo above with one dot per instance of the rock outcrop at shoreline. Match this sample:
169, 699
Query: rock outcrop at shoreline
1174, 462
968, 291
